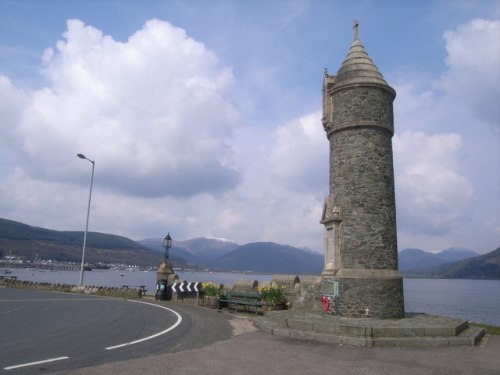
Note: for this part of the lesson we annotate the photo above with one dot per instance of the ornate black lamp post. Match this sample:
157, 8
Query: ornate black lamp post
167, 244
165, 273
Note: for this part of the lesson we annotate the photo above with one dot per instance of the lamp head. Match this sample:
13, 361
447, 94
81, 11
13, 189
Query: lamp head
167, 241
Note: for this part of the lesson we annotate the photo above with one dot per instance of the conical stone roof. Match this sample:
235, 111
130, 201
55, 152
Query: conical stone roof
358, 68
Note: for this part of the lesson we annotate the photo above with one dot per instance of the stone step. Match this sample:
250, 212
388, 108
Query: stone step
437, 332
469, 337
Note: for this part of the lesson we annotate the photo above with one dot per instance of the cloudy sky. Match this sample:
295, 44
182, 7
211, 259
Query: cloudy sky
203, 117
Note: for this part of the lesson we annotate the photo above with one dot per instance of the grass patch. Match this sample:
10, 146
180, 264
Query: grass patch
492, 330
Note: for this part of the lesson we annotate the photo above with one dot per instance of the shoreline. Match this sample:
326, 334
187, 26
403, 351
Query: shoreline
117, 292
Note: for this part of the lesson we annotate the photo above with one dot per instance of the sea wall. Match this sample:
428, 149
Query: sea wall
123, 292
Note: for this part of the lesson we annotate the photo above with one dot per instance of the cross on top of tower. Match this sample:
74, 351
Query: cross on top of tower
356, 29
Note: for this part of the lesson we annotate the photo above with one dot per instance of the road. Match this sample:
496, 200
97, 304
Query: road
205, 342
50, 331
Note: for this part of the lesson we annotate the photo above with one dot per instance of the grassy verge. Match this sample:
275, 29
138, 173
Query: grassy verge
492, 330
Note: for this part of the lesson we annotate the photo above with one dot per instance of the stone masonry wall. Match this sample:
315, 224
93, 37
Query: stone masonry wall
356, 104
362, 184
371, 298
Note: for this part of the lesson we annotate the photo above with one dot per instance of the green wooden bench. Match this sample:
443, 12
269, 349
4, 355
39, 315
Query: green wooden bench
241, 298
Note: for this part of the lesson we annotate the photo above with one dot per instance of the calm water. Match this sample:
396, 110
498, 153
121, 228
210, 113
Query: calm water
475, 300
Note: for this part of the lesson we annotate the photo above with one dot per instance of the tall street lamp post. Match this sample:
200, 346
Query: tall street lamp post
81, 156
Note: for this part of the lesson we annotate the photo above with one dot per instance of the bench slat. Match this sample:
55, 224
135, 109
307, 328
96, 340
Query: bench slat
243, 298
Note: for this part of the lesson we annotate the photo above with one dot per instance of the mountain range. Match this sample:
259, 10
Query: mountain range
38, 243
269, 257
486, 266
224, 255
199, 253
197, 250
417, 258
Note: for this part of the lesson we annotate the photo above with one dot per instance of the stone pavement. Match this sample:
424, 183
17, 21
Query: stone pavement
250, 351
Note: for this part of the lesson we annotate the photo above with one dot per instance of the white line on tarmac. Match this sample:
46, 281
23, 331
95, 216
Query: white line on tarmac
35, 363
175, 325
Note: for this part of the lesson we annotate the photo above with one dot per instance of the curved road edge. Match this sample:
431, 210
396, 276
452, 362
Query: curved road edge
175, 325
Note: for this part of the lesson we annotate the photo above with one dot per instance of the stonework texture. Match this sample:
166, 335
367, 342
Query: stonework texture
355, 105
362, 183
371, 298
359, 123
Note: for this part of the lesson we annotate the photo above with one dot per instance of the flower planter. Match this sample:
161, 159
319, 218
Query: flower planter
271, 306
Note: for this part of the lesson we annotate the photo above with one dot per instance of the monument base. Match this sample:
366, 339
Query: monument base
365, 293
417, 330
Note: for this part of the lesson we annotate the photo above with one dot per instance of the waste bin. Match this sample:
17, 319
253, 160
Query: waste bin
163, 292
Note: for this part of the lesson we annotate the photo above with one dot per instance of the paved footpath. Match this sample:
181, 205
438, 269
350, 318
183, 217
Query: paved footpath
253, 352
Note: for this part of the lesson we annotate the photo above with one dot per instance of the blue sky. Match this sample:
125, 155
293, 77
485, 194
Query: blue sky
203, 117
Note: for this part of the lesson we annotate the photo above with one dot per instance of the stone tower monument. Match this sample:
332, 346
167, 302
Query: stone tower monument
359, 215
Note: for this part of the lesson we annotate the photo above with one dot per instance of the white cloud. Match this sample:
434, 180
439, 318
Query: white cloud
228, 218
446, 176
153, 112
12, 102
433, 197
43, 203
299, 157
474, 73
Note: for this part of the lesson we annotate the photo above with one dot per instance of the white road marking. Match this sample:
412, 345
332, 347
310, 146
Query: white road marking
175, 325
35, 363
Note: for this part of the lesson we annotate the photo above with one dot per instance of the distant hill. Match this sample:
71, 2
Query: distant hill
417, 258
485, 266
269, 257
219, 254
454, 254
226, 255
30, 242
197, 250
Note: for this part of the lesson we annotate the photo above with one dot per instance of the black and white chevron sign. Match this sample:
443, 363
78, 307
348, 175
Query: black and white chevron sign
194, 286
185, 287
